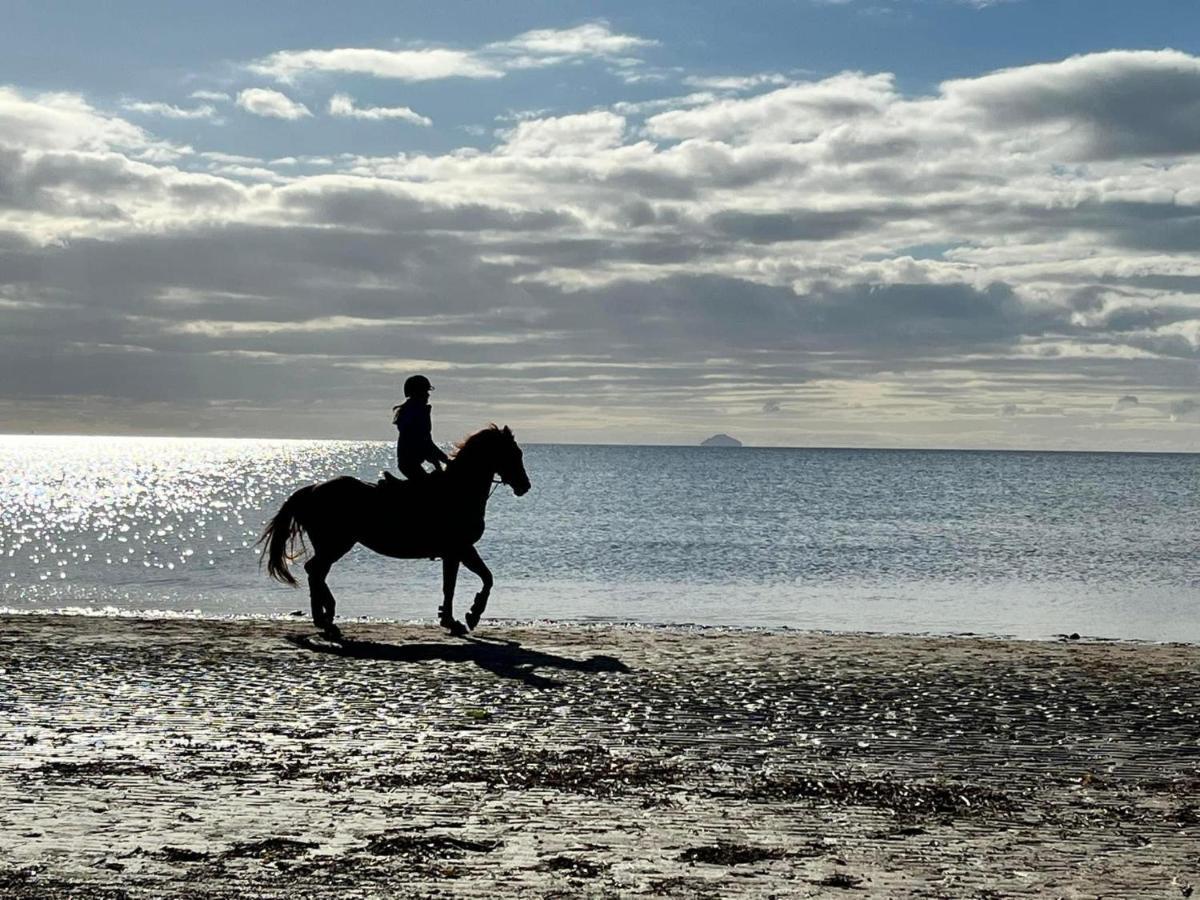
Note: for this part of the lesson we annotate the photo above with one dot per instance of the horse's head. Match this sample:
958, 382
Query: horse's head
510, 465
497, 449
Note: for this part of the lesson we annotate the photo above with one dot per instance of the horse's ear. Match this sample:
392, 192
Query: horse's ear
508, 433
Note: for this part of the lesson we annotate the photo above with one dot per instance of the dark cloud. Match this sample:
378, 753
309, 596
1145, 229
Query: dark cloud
806, 225
380, 207
1119, 104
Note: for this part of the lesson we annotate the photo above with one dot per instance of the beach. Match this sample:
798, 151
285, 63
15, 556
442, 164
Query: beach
187, 757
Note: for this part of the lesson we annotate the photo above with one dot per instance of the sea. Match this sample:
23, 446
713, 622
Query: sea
1029, 545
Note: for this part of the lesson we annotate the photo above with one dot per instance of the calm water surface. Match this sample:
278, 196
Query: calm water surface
1027, 544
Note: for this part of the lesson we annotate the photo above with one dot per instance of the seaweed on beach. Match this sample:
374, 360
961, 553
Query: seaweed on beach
29, 882
903, 797
582, 770
93, 769
678, 886
270, 848
1185, 815
726, 853
578, 868
840, 880
180, 854
418, 848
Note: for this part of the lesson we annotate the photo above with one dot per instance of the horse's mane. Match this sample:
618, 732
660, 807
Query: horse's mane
479, 440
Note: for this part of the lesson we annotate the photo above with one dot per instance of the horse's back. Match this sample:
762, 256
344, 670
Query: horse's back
402, 519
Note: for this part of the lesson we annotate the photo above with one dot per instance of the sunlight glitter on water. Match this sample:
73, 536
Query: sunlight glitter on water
1011, 543
145, 508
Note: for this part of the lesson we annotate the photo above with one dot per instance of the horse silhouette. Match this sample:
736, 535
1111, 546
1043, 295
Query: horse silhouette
441, 516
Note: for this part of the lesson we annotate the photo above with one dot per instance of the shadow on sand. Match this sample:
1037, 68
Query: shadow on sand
507, 659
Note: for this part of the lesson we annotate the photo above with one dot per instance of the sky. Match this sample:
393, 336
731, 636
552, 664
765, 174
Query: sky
907, 223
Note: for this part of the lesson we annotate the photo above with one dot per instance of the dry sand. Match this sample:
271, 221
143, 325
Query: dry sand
182, 758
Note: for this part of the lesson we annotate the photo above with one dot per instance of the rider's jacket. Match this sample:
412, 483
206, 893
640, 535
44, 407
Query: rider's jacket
415, 445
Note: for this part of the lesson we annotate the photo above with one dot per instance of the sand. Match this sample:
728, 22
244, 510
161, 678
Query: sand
192, 758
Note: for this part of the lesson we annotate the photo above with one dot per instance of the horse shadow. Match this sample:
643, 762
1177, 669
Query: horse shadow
503, 658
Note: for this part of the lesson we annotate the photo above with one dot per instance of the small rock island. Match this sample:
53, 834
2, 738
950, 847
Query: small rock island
720, 440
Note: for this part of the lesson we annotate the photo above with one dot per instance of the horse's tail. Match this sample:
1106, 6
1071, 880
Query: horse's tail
286, 528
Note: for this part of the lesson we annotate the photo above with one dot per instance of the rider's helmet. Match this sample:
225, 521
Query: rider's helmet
416, 384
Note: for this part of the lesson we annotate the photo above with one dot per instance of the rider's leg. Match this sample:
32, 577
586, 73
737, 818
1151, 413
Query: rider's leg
413, 471
472, 560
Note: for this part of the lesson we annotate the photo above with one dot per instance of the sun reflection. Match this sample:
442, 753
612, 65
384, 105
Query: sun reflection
86, 518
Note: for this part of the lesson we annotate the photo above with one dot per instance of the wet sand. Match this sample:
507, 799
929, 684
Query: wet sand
185, 758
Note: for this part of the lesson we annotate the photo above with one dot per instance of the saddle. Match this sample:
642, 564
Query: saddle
402, 488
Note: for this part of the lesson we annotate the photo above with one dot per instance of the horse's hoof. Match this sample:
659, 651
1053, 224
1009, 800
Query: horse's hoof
332, 632
472, 618
455, 627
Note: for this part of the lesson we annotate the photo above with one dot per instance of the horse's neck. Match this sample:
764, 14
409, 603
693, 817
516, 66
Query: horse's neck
473, 481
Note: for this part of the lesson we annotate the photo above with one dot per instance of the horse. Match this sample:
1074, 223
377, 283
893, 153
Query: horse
439, 516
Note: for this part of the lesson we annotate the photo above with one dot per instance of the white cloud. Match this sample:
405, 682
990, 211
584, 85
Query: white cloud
271, 104
533, 49
62, 121
642, 107
592, 39
235, 159
168, 111
404, 65
343, 105
796, 112
214, 96
583, 134
735, 82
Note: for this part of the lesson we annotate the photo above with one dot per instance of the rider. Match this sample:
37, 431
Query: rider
415, 445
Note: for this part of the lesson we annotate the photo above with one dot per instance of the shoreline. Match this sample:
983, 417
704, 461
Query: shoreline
301, 617
187, 758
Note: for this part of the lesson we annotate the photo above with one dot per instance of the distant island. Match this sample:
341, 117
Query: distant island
720, 440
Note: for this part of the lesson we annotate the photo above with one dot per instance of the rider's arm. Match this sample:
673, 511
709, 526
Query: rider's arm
433, 453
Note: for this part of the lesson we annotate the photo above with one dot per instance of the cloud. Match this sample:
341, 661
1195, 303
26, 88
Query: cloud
735, 82
900, 265
795, 112
168, 111
591, 39
271, 104
1114, 105
62, 121
1185, 409
343, 105
532, 49
403, 65
214, 96
582, 134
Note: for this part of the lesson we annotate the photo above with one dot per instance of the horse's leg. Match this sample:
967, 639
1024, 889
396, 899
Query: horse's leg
446, 611
324, 556
472, 561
